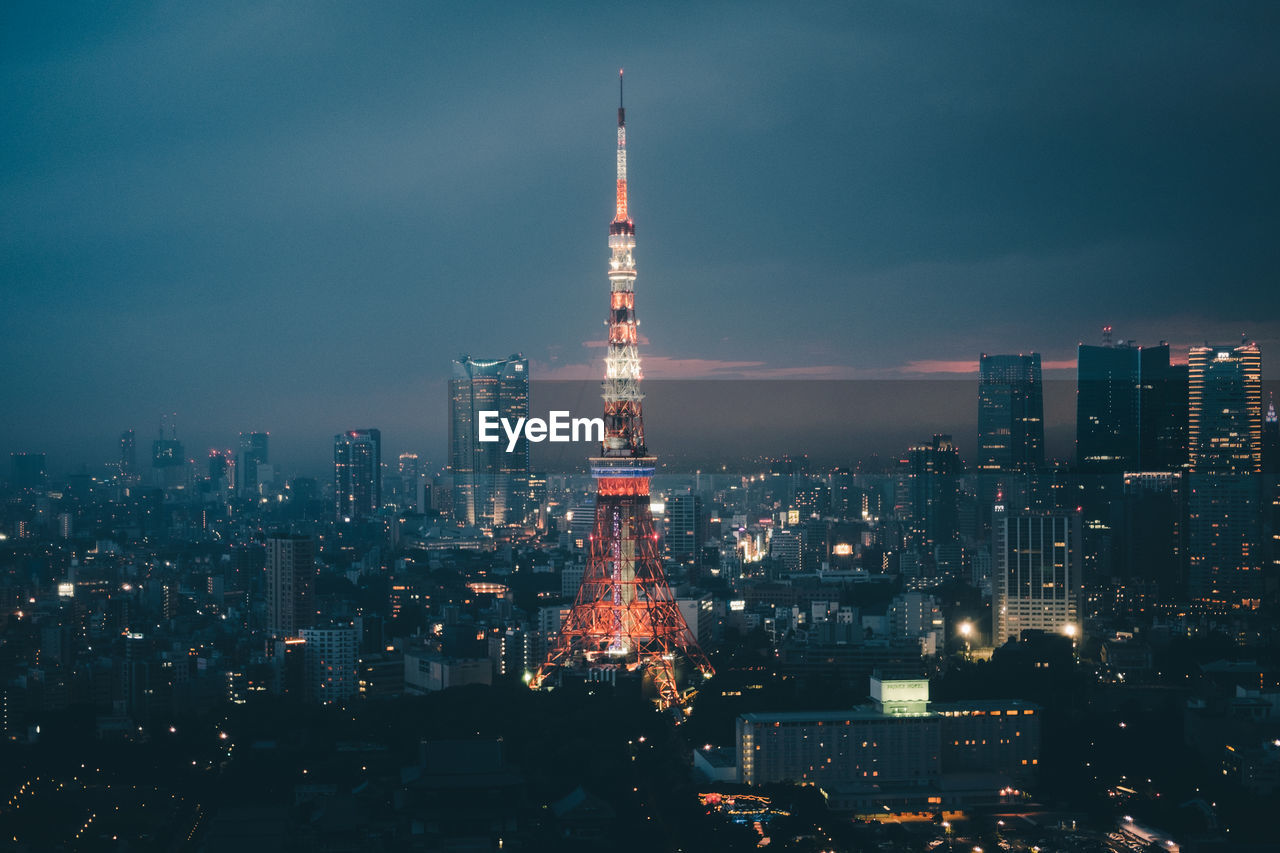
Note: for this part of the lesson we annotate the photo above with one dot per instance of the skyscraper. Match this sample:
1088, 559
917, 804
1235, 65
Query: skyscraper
409, 482
1224, 433
1108, 410
1163, 428
168, 459
844, 497
1036, 583
27, 470
128, 457
222, 470
1224, 408
490, 485
254, 452
1152, 531
357, 474
686, 528
1271, 489
933, 493
536, 508
1010, 414
1271, 440
410, 466
291, 573
1119, 386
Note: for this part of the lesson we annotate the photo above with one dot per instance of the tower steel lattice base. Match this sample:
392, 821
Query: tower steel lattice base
625, 615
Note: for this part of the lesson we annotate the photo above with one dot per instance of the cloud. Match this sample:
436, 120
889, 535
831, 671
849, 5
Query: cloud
665, 368
937, 365
658, 367
969, 367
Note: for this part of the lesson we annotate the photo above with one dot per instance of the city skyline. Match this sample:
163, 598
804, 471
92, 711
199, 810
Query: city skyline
873, 571
888, 179
835, 422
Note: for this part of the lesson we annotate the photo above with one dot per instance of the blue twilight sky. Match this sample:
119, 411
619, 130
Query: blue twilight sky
290, 216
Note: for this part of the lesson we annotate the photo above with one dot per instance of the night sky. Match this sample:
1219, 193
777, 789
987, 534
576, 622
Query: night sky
291, 216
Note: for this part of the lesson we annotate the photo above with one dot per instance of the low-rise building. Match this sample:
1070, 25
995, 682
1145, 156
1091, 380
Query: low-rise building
900, 748
425, 672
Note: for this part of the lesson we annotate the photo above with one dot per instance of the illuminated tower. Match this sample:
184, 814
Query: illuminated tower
625, 616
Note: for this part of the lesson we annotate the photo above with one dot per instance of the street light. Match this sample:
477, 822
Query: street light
966, 631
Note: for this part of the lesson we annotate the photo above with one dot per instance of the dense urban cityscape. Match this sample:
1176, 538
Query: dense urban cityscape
630, 641
1037, 650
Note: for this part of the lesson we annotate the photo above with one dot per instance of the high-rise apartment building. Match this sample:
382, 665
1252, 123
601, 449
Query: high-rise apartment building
330, 662
357, 474
1010, 414
490, 484
291, 574
1224, 433
1036, 582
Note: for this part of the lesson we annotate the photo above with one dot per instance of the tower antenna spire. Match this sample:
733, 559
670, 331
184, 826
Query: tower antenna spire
621, 216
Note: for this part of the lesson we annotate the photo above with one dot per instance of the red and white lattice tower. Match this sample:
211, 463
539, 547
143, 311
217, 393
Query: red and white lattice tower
625, 616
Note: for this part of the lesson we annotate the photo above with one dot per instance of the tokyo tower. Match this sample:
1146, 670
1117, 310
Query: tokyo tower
625, 617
